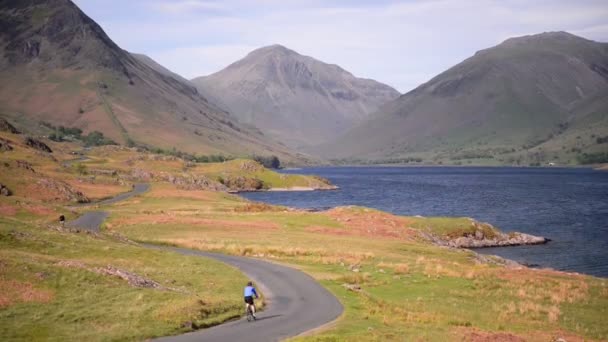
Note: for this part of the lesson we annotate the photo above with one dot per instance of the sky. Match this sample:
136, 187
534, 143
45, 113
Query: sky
400, 43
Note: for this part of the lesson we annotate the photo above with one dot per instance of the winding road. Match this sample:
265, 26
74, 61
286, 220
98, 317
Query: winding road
296, 302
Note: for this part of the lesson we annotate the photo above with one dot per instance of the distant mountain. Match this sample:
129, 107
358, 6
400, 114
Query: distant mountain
58, 65
159, 68
296, 99
533, 99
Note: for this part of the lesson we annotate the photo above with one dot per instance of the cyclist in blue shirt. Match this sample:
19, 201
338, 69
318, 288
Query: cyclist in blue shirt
249, 293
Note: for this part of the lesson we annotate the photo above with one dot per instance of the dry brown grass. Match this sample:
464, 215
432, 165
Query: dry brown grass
257, 207
98, 190
397, 268
360, 222
173, 217
13, 292
8, 210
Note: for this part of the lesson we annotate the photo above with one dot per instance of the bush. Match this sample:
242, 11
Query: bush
97, 138
80, 168
593, 158
271, 162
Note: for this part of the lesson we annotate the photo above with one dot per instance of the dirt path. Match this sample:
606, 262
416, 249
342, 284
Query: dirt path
296, 302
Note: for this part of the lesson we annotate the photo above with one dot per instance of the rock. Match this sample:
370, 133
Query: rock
352, 287
132, 278
191, 182
4, 191
5, 126
22, 164
189, 325
251, 166
5, 145
37, 144
480, 240
102, 172
62, 190
141, 175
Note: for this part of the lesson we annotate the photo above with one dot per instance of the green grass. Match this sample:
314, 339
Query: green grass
409, 290
84, 305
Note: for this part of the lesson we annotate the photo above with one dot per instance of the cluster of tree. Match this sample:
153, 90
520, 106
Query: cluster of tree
271, 162
62, 133
593, 158
96, 138
212, 158
601, 140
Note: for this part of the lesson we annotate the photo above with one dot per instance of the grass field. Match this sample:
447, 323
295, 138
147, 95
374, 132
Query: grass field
392, 285
54, 284
52, 287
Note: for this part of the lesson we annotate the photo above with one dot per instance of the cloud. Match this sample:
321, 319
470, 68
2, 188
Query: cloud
401, 43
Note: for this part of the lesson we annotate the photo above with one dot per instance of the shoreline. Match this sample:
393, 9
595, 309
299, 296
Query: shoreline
291, 189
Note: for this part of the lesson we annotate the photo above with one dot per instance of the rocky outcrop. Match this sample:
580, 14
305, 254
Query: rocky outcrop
5, 145
5, 126
62, 191
133, 279
480, 239
22, 164
191, 182
37, 144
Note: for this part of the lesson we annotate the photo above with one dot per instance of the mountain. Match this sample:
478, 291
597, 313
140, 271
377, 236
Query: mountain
533, 99
57, 65
159, 68
293, 98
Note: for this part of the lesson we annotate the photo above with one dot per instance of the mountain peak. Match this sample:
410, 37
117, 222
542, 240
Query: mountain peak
298, 99
545, 37
273, 50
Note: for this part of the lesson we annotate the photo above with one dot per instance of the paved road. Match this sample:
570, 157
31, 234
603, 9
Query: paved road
92, 220
296, 302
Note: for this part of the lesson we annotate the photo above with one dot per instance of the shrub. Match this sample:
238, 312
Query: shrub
271, 162
593, 158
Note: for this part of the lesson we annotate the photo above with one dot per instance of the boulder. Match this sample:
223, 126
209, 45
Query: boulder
4, 191
5, 146
62, 190
5, 126
22, 164
37, 144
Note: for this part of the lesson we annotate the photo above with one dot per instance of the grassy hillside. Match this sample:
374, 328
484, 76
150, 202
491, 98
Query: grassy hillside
531, 100
394, 283
55, 285
59, 66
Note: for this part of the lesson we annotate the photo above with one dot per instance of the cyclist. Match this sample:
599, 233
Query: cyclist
249, 293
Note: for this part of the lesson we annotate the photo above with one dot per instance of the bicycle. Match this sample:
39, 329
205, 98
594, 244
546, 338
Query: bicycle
249, 312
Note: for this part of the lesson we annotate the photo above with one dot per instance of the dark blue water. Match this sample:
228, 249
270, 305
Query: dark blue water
569, 206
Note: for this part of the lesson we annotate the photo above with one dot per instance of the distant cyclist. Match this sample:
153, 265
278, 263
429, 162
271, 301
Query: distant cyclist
249, 293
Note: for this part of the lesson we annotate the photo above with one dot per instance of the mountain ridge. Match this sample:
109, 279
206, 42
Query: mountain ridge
295, 98
60, 66
527, 94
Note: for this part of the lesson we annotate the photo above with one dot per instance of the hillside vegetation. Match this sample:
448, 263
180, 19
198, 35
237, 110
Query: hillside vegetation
59, 66
531, 100
394, 282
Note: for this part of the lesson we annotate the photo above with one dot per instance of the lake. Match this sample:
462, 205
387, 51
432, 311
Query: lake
567, 205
